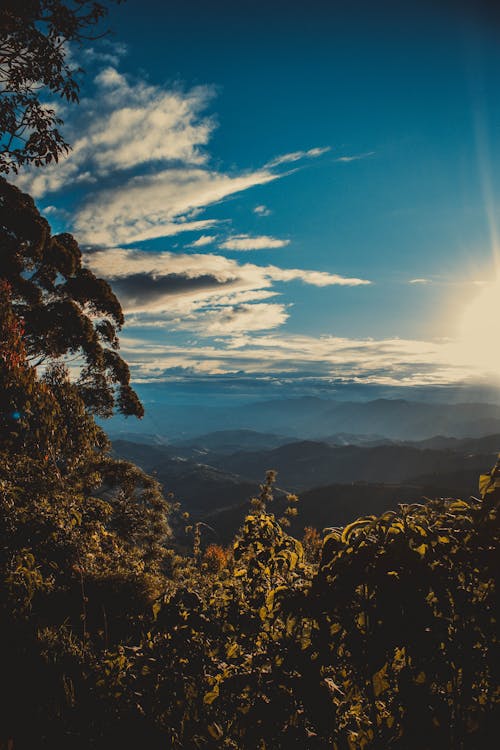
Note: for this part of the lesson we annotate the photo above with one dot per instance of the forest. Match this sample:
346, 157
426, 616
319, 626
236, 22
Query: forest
122, 624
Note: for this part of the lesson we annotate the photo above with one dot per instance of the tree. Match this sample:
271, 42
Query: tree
82, 541
34, 36
62, 306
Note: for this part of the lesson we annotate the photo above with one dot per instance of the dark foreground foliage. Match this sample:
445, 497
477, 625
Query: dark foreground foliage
389, 641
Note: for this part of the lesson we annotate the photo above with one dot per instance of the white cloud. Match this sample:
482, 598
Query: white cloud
160, 288
316, 278
420, 281
205, 239
157, 205
294, 156
354, 157
218, 320
187, 308
246, 242
236, 319
385, 361
127, 125
262, 210
104, 51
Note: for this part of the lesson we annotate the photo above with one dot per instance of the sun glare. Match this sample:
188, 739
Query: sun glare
478, 333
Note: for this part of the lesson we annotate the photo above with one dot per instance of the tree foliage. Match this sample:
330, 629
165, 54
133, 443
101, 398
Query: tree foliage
82, 538
389, 641
34, 65
62, 306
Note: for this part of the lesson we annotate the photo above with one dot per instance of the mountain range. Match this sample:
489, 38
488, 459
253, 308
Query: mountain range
215, 475
313, 418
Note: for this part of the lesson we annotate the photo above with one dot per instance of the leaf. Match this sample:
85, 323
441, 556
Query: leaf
156, 609
270, 600
484, 484
215, 731
380, 681
212, 695
351, 527
459, 505
421, 549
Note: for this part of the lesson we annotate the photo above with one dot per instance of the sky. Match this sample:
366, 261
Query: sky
291, 190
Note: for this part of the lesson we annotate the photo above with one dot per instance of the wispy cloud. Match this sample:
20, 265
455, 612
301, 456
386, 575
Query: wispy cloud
140, 151
234, 320
204, 240
262, 210
104, 51
385, 361
159, 205
246, 242
420, 281
294, 156
354, 157
128, 125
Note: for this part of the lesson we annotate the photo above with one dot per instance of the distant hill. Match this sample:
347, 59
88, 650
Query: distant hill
316, 418
230, 441
335, 483
486, 444
339, 504
199, 487
307, 464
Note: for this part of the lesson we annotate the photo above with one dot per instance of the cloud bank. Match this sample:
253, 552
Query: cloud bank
207, 293
383, 361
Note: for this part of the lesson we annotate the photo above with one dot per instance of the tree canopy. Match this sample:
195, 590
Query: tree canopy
62, 306
34, 65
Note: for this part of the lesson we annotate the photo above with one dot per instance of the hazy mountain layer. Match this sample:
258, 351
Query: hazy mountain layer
308, 464
315, 418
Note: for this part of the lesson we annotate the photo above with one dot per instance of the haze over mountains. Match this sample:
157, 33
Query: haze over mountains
343, 458
311, 417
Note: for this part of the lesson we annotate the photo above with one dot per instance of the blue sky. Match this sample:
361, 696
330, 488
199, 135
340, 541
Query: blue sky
290, 189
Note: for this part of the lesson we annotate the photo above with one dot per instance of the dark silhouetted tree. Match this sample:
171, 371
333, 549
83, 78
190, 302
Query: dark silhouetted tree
62, 307
34, 64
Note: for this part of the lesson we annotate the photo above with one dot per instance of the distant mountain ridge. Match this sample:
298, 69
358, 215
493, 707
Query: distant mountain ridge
217, 486
306, 464
316, 418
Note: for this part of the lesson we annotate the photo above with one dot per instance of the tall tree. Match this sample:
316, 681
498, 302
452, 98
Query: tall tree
63, 307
